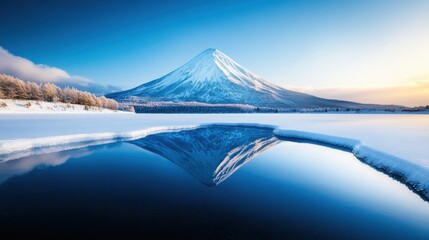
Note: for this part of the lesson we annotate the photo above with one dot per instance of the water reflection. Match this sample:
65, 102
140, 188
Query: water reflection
212, 153
419, 189
292, 191
27, 164
209, 153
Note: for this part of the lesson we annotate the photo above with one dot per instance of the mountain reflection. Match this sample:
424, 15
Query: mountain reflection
210, 153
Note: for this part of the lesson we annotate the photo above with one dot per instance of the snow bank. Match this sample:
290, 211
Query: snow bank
30, 106
14, 149
340, 142
414, 176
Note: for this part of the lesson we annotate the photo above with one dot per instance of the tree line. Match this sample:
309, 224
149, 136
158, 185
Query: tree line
14, 88
203, 108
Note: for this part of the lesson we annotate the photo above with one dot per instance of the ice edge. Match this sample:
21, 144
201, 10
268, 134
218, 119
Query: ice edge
415, 177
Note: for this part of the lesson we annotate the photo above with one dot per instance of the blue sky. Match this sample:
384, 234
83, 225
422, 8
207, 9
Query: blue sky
313, 46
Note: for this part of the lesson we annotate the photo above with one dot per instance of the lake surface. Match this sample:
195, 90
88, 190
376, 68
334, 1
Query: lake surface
217, 182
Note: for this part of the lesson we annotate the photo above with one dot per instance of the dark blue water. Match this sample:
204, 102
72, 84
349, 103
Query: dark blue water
209, 183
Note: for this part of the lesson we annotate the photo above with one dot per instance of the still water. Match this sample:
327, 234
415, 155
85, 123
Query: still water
218, 182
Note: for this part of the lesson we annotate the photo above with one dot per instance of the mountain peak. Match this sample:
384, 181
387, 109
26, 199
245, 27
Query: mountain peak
213, 61
210, 51
212, 65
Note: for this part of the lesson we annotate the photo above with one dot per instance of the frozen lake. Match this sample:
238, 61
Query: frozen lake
239, 181
216, 181
402, 135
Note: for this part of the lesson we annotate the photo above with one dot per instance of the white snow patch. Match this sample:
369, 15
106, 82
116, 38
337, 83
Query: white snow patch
9, 106
347, 143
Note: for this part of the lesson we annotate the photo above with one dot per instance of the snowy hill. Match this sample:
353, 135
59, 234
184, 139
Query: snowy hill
213, 77
10, 106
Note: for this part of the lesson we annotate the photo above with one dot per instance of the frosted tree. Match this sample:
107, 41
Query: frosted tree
59, 95
50, 92
70, 95
35, 91
104, 101
13, 88
112, 104
8, 86
94, 100
22, 90
98, 102
84, 98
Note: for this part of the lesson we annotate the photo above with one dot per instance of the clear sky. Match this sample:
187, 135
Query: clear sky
367, 51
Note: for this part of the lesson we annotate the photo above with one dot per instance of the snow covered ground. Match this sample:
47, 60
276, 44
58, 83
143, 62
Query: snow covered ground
29, 106
396, 142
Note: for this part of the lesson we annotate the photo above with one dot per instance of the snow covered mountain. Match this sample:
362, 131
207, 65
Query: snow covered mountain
214, 78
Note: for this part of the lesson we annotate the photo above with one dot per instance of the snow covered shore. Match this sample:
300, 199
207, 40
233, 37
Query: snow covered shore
9, 106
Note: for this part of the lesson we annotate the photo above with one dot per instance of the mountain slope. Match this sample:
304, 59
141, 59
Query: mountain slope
214, 78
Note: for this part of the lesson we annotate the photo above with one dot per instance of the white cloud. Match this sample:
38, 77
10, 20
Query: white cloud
28, 71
